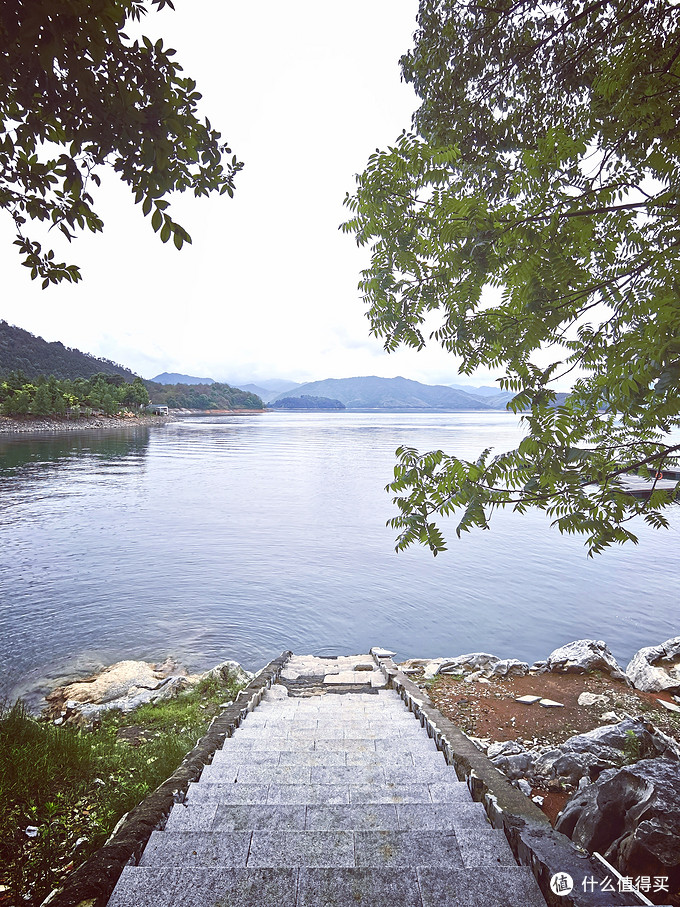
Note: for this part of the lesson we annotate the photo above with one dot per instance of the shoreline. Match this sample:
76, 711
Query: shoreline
14, 425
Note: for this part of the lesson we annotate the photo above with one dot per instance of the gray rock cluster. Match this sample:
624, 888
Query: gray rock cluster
127, 685
657, 668
631, 816
652, 669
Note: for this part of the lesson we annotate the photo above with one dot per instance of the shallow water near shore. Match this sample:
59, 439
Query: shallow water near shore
241, 536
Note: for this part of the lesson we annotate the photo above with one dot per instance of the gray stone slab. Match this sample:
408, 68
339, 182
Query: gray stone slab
366, 760
389, 793
344, 745
497, 886
347, 774
236, 794
358, 888
312, 758
404, 848
449, 792
420, 772
233, 756
170, 887
487, 848
249, 818
398, 744
191, 848
301, 848
331, 794
442, 817
221, 773
191, 816
349, 818
283, 743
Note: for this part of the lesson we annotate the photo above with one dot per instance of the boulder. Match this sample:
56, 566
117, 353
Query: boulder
611, 746
657, 668
583, 656
481, 664
589, 699
127, 685
631, 815
227, 672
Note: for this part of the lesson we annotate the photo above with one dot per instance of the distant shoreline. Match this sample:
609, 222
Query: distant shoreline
11, 425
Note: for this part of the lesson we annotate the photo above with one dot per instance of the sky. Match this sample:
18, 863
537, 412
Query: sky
303, 92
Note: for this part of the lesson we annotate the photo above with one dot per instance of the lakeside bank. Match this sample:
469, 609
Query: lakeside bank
583, 675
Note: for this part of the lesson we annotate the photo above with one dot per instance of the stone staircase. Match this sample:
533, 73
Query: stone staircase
328, 798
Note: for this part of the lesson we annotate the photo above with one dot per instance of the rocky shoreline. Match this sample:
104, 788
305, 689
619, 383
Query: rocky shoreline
593, 749
40, 424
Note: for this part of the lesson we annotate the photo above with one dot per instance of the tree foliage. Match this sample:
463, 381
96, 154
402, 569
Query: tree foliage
22, 351
205, 397
530, 221
76, 93
51, 396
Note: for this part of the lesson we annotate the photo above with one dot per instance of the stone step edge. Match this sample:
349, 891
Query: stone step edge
94, 880
533, 840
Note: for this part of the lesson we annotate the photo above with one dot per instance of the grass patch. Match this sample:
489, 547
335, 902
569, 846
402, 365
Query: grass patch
62, 790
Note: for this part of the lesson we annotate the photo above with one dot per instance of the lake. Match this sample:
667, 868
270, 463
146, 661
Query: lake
241, 536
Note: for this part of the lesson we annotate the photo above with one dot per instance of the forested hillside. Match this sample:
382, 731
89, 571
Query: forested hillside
202, 396
21, 351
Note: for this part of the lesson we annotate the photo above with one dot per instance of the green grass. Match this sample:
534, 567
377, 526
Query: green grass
70, 787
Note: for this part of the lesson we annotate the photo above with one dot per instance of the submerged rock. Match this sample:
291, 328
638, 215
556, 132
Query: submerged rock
656, 668
632, 816
582, 656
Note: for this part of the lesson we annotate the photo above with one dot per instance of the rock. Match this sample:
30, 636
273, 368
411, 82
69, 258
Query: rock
538, 799
475, 665
528, 700
431, 669
582, 656
671, 706
610, 717
524, 786
589, 699
550, 704
382, 653
227, 672
656, 668
610, 746
113, 683
127, 685
504, 748
632, 816
539, 667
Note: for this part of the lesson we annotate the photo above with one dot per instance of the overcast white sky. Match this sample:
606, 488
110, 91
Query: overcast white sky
304, 92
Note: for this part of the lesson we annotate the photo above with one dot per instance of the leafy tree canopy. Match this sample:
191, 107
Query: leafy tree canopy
531, 216
76, 93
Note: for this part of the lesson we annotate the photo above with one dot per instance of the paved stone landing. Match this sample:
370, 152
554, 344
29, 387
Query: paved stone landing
331, 800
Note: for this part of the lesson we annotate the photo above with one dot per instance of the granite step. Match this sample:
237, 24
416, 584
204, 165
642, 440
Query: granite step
428, 886
214, 815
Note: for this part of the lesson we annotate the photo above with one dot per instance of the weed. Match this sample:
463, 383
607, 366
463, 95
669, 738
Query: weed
631, 748
62, 789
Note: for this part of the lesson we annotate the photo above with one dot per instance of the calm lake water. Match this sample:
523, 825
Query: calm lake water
241, 536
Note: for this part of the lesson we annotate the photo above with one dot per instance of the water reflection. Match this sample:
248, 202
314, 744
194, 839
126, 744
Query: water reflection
32, 453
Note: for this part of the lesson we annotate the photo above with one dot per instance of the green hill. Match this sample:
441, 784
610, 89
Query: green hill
389, 394
22, 351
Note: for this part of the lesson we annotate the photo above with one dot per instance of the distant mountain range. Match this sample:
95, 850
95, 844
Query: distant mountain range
372, 392
175, 378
